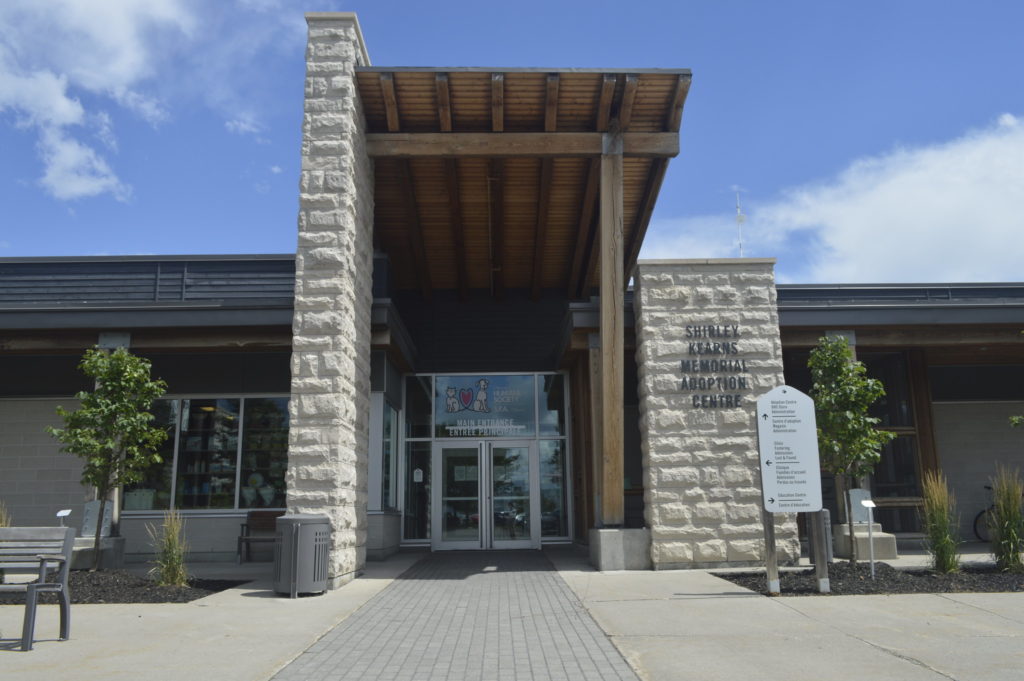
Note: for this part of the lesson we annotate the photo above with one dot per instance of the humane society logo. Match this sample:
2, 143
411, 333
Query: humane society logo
468, 399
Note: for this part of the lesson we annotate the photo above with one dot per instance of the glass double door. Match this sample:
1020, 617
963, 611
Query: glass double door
486, 495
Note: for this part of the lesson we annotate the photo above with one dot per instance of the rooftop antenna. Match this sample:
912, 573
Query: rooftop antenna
740, 218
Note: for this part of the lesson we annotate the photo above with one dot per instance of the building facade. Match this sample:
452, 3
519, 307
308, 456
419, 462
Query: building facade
453, 358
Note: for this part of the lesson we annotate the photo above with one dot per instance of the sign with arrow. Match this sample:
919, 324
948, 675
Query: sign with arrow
788, 445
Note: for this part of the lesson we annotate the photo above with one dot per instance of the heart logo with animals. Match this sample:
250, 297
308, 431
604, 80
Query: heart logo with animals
466, 398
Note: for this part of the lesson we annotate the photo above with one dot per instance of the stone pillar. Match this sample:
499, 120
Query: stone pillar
707, 347
330, 394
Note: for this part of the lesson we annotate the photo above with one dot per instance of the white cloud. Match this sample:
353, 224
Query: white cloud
241, 126
276, 170
945, 212
105, 48
75, 171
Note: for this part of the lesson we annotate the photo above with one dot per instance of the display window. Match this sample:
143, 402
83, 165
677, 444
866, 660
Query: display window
223, 453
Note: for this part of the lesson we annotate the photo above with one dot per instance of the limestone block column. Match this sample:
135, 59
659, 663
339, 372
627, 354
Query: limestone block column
707, 347
330, 390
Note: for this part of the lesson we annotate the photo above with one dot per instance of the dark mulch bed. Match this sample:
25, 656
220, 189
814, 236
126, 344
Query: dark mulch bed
118, 586
846, 581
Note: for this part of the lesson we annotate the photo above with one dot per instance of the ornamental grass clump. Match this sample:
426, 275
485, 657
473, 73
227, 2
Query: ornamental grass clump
169, 542
1006, 519
5, 517
940, 523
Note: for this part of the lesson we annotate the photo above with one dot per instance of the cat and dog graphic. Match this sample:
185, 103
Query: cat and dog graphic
459, 400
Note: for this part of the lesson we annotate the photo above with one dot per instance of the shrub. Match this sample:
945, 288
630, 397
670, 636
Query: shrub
940, 523
1006, 519
169, 542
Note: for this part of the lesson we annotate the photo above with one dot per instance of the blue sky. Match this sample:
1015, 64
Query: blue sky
870, 141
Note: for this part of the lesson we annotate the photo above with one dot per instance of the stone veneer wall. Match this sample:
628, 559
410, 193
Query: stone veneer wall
330, 400
701, 469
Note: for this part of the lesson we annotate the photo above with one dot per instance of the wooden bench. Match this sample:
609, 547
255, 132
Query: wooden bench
38, 551
257, 521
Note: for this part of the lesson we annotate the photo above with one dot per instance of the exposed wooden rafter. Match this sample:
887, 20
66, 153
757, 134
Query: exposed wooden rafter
451, 178
417, 247
652, 188
444, 102
628, 99
496, 187
497, 102
584, 231
387, 88
675, 113
540, 233
604, 103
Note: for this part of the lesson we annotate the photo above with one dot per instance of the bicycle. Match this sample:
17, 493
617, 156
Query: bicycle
982, 529
981, 526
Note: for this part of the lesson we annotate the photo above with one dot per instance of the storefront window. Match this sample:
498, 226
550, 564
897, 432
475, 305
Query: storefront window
205, 462
551, 405
417, 491
417, 406
264, 452
154, 490
207, 454
553, 517
389, 452
894, 408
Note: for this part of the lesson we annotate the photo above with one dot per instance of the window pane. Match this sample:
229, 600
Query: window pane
554, 520
551, 408
389, 474
154, 490
207, 454
417, 491
417, 406
264, 452
484, 406
891, 369
896, 472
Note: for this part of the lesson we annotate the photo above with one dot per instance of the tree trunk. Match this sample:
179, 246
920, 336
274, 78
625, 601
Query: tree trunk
849, 522
99, 533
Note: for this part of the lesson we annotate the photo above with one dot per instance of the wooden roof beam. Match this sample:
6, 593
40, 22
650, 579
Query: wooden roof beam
417, 247
444, 102
497, 102
675, 113
387, 88
540, 231
628, 99
584, 231
604, 103
517, 144
451, 177
652, 188
496, 189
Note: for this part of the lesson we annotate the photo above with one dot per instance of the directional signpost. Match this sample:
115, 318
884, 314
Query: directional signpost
790, 472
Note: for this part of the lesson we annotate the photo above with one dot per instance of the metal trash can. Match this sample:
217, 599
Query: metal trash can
300, 554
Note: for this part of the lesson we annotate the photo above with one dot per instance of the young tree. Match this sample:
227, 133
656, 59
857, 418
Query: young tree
112, 431
848, 440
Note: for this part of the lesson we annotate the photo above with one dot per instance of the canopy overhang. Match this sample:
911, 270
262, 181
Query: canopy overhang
491, 178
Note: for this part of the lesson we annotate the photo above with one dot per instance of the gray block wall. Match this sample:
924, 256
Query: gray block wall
330, 388
36, 479
701, 473
971, 439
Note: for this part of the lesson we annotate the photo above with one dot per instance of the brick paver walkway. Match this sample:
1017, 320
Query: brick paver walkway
479, 616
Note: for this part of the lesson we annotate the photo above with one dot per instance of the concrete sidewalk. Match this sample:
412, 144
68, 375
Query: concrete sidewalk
673, 626
669, 626
243, 634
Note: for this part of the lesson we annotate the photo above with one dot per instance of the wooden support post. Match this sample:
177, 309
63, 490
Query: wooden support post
612, 330
596, 434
